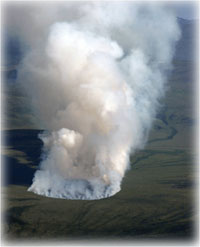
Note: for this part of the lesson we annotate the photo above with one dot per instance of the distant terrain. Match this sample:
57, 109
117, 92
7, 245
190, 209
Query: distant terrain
157, 199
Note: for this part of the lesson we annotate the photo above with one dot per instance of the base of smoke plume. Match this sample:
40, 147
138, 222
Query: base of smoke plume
50, 181
74, 189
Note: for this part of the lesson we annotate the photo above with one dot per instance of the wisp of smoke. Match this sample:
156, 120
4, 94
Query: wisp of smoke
95, 72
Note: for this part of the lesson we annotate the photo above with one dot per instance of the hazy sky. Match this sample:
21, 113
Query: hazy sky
187, 9
184, 9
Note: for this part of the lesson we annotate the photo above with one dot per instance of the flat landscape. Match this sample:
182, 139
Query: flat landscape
158, 194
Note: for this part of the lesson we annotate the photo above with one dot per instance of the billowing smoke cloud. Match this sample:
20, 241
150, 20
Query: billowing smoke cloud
95, 72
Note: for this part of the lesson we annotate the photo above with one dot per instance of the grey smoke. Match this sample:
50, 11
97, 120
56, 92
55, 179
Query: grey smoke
95, 72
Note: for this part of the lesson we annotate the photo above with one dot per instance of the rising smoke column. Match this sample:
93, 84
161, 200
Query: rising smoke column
96, 78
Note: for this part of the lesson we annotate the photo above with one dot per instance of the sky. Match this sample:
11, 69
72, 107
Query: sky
187, 10
184, 9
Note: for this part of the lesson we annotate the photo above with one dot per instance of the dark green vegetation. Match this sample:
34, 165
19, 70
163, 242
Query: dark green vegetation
157, 199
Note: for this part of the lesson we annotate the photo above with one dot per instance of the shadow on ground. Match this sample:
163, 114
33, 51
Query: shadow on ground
29, 146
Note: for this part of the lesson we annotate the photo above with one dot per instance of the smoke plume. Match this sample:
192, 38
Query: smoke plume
95, 72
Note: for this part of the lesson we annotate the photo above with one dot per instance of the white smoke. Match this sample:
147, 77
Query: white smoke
95, 72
